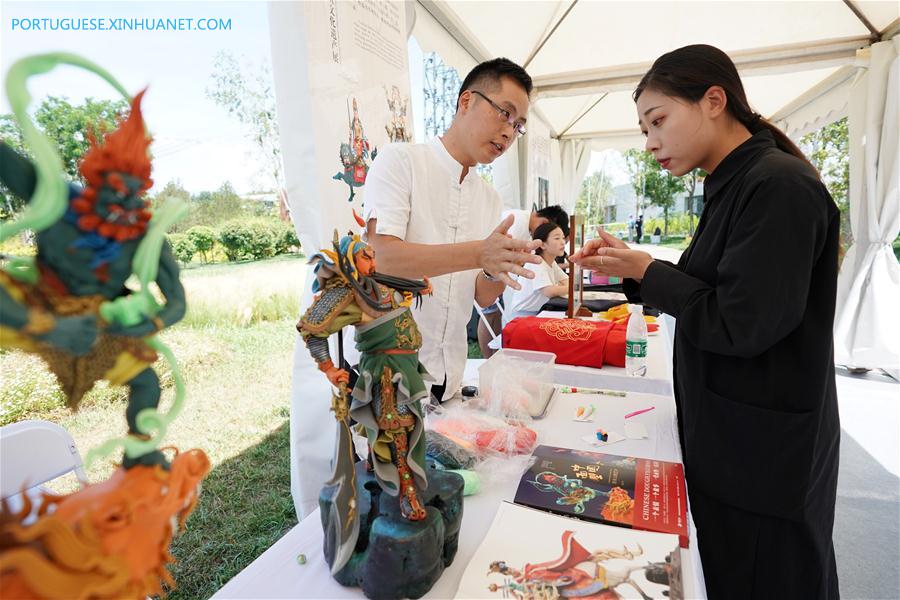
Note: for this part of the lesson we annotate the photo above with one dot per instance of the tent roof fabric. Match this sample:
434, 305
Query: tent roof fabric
796, 58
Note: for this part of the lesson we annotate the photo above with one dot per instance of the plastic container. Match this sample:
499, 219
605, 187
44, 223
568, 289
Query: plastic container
517, 382
599, 279
636, 342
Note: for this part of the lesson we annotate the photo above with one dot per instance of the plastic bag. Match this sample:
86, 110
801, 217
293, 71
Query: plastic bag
463, 437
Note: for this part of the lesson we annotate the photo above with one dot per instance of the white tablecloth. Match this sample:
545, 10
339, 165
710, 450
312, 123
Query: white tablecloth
659, 368
277, 574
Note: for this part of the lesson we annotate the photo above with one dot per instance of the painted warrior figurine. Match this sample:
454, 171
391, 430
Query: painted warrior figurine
53, 308
69, 305
360, 145
396, 130
386, 397
355, 154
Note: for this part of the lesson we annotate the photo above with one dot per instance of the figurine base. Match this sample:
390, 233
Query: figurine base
396, 558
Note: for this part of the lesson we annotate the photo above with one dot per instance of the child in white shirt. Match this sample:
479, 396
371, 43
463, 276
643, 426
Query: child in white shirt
549, 279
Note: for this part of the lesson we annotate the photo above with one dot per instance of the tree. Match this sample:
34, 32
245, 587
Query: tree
652, 182
246, 92
828, 150
68, 127
206, 208
11, 135
596, 191
214, 208
71, 127
690, 185
636, 167
173, 190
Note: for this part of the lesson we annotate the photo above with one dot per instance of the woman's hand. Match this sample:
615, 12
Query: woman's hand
609, 255
604, 241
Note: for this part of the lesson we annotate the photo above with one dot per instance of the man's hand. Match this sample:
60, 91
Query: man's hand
428, 287
502, 256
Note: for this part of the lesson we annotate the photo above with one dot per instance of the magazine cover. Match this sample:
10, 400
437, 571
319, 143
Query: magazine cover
617, 490
533, 555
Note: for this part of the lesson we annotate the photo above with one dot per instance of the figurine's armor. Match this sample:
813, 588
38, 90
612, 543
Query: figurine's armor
386, 397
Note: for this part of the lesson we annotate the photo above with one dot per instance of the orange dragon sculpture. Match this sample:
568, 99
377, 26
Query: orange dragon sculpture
107, 540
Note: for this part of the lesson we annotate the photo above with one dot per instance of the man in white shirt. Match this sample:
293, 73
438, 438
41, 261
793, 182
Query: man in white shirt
526, 221
429, 213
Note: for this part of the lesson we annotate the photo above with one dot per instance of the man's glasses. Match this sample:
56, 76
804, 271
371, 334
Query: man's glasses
518, 126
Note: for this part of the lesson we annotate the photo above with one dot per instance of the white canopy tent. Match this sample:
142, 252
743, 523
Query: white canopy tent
586, 56
867, 321
797, 59
804, 65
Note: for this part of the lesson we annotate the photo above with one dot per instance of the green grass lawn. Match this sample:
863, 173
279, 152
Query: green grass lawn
236, 350
678, 243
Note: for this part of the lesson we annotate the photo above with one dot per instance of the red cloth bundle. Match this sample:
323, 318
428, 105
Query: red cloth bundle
574, 341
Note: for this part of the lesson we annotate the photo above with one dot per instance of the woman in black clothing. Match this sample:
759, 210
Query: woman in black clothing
754, 299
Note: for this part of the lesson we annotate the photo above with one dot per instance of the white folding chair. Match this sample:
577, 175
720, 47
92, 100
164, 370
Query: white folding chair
496, 340
33, 453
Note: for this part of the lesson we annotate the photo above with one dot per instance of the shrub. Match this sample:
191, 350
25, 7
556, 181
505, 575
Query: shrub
247, 239
204, 238
285, 237
678, 224
182, 247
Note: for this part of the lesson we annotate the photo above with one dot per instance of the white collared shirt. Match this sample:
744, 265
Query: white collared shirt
413, 191
517, 231
519, 228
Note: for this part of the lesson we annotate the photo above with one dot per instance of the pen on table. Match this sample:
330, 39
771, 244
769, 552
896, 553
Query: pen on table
573, 390
639, 412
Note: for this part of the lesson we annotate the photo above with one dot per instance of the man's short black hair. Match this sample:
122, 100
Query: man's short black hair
491, 71
556, 214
